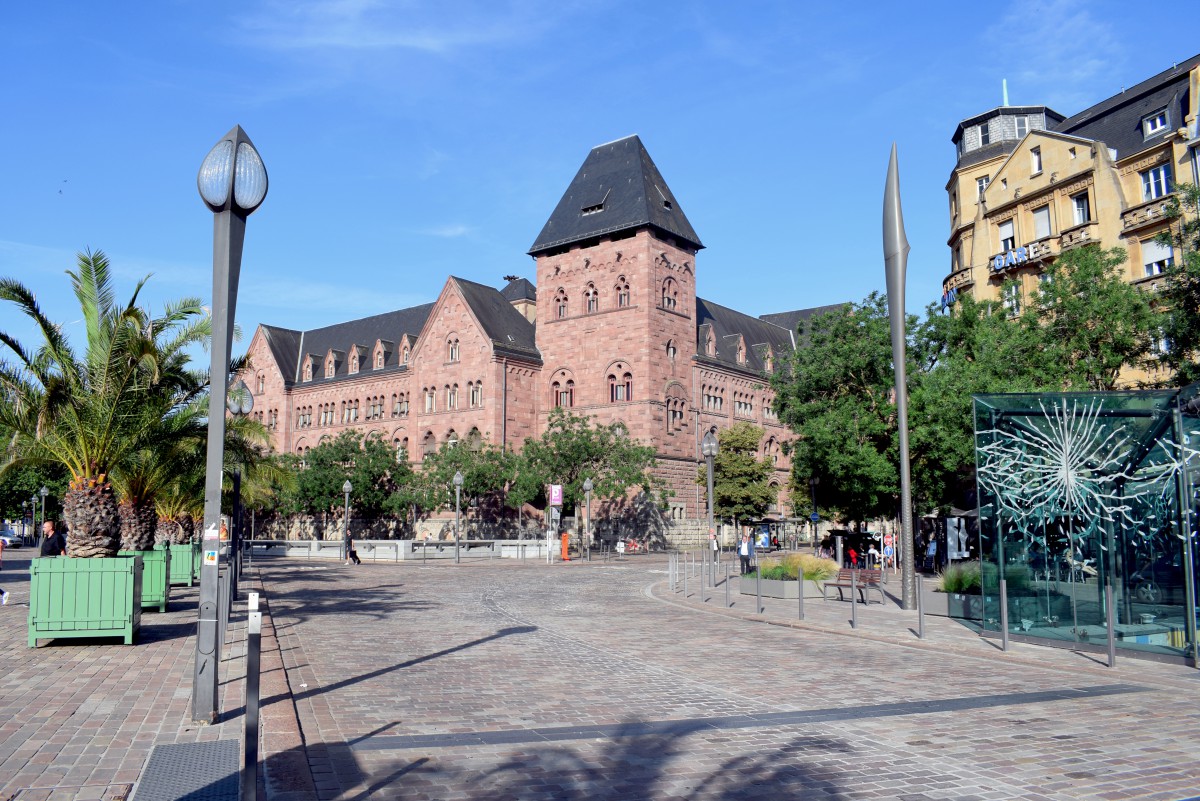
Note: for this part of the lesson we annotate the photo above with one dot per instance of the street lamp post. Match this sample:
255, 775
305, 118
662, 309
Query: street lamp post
709, 447
233, 183
33, 519
346, 488
458, 482
24, 515
895, 259
588, 486
43, 492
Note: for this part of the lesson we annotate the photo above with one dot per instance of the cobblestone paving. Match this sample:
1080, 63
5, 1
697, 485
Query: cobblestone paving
78, 718
497, 680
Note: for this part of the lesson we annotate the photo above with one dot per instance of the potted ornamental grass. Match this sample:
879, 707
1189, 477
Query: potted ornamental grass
780, 576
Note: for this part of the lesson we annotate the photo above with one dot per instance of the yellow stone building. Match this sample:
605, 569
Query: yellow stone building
1030, 183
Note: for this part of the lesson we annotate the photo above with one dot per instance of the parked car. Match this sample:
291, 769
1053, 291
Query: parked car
11, 538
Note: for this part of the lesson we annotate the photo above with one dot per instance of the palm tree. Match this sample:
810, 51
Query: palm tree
89, 410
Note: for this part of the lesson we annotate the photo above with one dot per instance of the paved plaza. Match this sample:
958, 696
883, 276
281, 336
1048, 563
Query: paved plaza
509, 680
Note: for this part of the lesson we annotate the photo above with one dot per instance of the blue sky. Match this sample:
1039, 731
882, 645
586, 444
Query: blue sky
408, 141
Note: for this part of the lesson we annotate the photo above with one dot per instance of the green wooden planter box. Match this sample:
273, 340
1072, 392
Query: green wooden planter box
84, 598
185, 562
156, 567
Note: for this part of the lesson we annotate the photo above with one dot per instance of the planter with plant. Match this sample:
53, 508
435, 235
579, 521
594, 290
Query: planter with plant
780, 576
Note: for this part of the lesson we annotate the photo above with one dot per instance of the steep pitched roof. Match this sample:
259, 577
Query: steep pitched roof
519, 289
1117, 121
727, 324
618, 188
390, 325
506, 327
791, 319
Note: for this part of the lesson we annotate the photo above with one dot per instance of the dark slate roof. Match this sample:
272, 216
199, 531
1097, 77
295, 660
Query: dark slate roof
1052, 117
510, 332
519, 289
982, 154
391, 326
727, 324
791, 320
1117, 121
623, 189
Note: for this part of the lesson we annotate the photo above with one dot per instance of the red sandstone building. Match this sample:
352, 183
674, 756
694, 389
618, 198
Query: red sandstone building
613, 329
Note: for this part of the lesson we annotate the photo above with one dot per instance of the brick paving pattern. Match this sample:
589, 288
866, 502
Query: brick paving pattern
503, 680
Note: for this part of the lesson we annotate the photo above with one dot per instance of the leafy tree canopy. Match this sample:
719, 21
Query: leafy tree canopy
1179, 292
370, 466
741, 481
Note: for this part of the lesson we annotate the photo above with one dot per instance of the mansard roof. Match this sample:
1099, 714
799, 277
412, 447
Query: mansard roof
727, 325
511, 334
618, 188
1117, 121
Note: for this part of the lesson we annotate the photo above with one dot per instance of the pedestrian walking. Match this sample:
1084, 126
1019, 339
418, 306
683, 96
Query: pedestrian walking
351, 552
53, 542
3, 593
873, 557
853, 554
745, 552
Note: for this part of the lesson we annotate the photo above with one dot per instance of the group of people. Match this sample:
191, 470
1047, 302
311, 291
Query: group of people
53, 544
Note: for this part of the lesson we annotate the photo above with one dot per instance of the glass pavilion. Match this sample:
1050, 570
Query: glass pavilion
1080, 491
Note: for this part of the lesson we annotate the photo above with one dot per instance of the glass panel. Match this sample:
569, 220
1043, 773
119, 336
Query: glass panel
1079, 491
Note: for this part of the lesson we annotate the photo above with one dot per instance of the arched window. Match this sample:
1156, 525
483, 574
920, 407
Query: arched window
452, 350
622, 292
476, 394
354, 360
329, 364
563, 393
560, 303
429, 444
308, 370
404, 355
379, 360
451, 438
671, 350
620, 389
474, 439
593, 299
430, 403
452, 397
670, 294
401, 450
261, 383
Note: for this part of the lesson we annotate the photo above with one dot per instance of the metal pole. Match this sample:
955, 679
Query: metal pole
853, 601
920, 609
229, 234
1111, 614
727, 601
686, 594
1003, 614
758, 610
895, 256
457, 511
253, 649
345, 549
589, 527
800, 591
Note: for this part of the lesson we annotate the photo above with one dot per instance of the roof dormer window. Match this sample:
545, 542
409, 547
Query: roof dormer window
1155, 123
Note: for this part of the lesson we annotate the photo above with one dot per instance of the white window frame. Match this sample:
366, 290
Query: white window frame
1041, 222
1156, 258
1009, 242
1035, 160
1156, 182
1021, 123
981, 184
1081, 208
1156, 122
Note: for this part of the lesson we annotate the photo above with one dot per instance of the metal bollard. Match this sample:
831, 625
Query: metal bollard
853, 601
920, 610
222, 602
253, 650
727, 603
758, 589
1111, 614
686, 594
800, 591
1003, 615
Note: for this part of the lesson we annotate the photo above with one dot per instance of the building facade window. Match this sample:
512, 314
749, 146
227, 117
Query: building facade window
560, 304
379, 360
563, 393
1155, 123
1156, 257
452, 397
671, 350
981, 183
670, 294
452, 350
329, 367
430, 401
354, 361
1035, 160
476, 391
592, 298
985, 134
261, 383
620, 389
401, 450
1041, 222
1081, 207
1011, 298
404, 355
1022, 125
429, 444
1008, 239
1156, 182
622, 293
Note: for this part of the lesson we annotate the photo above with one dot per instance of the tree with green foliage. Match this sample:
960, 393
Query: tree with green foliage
741, 480
91, 410
368, 463
487, 472
1179, 292
836, 395
1091, 322
573, 449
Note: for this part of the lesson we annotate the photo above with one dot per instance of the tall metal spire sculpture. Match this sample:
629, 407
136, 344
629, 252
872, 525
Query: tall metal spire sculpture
895, 260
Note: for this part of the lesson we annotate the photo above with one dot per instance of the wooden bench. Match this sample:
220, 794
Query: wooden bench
847, 579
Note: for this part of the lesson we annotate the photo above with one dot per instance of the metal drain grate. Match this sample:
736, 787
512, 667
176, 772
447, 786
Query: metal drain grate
191, 772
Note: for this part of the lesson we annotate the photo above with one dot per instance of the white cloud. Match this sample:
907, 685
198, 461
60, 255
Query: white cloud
449, 231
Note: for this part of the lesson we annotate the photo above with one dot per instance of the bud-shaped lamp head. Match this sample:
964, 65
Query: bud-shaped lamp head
232, 176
